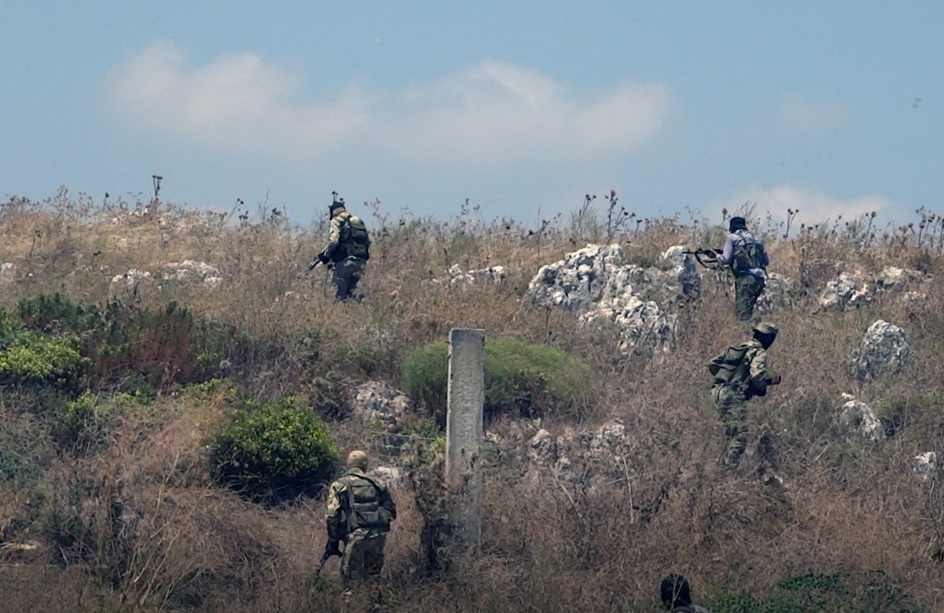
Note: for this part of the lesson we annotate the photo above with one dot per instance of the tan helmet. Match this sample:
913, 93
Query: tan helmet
357, 459
766, 328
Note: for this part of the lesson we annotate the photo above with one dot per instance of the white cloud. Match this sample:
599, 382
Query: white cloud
490, 114
814, 207
235, 101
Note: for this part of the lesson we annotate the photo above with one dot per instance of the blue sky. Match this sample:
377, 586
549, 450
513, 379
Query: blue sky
521, 107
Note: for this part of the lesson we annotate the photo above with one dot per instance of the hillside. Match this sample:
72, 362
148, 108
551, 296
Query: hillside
134, 334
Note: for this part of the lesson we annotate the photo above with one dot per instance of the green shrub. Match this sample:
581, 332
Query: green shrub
32, 357
132, 348
424, 372
17, 469
272, 451
165, 346
215, 390
828, 593
519, 377
83, 423
57, 314
9, 326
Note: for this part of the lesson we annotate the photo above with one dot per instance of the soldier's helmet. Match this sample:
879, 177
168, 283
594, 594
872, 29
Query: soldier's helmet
336, 203
766, 328
357, 459
737, 223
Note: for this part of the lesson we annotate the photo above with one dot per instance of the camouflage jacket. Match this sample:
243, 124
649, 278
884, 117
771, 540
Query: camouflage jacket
358, 505
739, 365
337, 249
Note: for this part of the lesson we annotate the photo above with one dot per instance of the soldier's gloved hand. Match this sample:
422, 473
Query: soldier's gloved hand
758, 387
323, 258
775, 380
333, 548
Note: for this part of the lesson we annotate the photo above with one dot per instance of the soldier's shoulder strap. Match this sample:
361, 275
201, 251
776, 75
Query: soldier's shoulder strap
375, 483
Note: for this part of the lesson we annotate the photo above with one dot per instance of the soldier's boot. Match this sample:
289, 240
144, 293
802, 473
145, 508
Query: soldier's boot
767, 449
378, 605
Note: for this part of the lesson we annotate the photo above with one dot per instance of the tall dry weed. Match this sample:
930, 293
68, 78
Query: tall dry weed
141, 528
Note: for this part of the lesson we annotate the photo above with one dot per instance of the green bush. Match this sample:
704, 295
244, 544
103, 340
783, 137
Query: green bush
83, 423
132, 348
32, 357
163, 347
519, 378
54, 313
17, 469
9, 326
272, 451
424, 373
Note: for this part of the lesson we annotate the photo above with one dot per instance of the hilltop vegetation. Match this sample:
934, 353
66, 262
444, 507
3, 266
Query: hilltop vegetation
173, 393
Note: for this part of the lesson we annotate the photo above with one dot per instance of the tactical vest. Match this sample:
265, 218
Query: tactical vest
363, 505
748, 254
355, 241
733, 367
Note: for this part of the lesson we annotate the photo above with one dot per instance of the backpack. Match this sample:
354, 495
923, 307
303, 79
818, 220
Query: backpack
748, 253
732, 367
355, 239
364, 508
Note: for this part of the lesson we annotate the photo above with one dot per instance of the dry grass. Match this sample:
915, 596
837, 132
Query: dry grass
180, 543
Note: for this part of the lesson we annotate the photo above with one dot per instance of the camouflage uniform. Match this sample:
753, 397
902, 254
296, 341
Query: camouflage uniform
740, 373
749, 279
348, 268
359, 513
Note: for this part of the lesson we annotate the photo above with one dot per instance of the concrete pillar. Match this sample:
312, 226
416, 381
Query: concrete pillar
465, 404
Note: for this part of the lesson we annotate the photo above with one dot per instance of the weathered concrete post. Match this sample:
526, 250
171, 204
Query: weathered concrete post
465, 403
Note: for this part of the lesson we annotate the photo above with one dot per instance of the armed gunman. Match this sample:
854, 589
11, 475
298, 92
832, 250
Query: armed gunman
739, 373
347, 251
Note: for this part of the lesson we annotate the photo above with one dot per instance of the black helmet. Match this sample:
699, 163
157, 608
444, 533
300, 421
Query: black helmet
336, 203
737, 223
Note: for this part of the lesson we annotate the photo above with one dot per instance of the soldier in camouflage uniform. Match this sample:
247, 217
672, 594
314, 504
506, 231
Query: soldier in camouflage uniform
746, 256
740, 373
348, 249
359, 513
677, 595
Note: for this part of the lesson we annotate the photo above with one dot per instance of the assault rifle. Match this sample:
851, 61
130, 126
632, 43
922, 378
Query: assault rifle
331, 549
321, 258
710, 257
